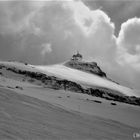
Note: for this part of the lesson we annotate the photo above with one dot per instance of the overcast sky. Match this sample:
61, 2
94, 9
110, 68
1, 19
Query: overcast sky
48, 32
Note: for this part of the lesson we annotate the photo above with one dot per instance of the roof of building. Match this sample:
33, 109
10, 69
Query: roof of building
77, 55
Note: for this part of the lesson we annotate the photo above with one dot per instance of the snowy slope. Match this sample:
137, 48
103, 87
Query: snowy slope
24, 117
85, 78
64, 72
19, 65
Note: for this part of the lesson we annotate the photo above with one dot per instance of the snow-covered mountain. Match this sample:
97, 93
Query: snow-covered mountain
86, 79
63, 76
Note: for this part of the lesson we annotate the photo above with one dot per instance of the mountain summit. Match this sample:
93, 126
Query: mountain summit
77, 62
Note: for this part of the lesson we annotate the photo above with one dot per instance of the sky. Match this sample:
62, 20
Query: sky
50, 32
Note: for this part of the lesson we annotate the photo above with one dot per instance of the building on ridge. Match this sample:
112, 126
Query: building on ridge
77, 57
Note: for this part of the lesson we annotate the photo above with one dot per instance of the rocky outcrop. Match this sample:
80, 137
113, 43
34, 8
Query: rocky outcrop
114, 97
90, 67
47, 81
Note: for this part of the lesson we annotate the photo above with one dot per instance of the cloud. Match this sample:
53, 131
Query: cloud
46, 48
89, 20
16, 16
93, 30
68, 25
129, 43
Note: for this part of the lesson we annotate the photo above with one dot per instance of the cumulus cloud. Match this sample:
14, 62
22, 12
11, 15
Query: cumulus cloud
46, 48
129, 43
16, 16
96, 28
59, 22
88, 20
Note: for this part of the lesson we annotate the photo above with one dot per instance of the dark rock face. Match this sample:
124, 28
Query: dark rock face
113, 97
90, 67
47, 81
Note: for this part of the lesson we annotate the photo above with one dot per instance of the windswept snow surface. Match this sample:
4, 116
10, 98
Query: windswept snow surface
28, 118
19, 65
85, 78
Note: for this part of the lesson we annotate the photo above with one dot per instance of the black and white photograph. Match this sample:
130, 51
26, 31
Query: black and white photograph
69, 70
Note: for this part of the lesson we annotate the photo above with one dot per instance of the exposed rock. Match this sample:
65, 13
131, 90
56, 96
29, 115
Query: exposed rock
114, 97
96, 101
113, 103
19, 87
90, 67
48, 81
